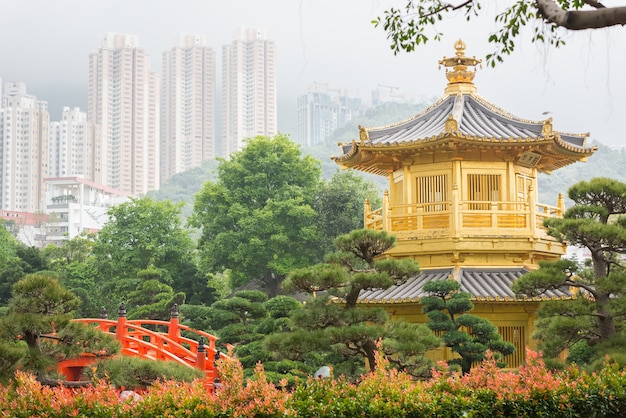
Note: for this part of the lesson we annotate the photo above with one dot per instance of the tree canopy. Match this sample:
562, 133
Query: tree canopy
597, 221
333, 328
36, 332
142, 234
415, 22
470, 336
257, 219
338, 201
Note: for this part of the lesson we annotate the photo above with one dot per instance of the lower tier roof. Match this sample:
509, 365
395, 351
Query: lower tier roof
484, 284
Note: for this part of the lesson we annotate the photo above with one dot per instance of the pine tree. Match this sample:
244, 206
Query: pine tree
467, 335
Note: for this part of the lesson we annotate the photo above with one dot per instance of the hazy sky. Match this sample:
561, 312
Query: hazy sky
46, 43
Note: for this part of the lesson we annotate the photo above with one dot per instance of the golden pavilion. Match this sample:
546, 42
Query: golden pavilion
462, 200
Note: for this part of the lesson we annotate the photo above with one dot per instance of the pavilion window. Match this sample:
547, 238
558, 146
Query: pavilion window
432, 189
483, 189
522, 185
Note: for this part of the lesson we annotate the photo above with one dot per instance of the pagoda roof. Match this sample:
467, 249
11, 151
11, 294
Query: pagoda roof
462, 118
484, 284
475, 118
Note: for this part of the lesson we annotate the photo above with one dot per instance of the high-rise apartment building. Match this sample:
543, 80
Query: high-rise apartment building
24, 124
73, 145
249, 103
187, 105
324, 109
124, 102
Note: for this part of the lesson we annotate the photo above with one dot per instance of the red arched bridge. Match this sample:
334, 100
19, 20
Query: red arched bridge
152, 340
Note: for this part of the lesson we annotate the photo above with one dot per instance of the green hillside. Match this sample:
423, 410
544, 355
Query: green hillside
604, 163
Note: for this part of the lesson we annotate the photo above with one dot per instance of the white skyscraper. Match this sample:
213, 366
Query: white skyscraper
187, 105
124, 101
248, 89
72, 146
23, 149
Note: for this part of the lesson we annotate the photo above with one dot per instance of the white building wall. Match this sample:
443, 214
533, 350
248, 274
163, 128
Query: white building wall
72, 145
124, 102
24, 122
75, 205
188, 105
249, 104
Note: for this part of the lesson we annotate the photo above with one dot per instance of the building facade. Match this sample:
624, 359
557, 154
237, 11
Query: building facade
249, 103
75, 205
462, 201
324, 109
72, 145
124, 102
24, 123
187, 105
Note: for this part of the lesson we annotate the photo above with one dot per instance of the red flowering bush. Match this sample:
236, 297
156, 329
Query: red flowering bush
487, 391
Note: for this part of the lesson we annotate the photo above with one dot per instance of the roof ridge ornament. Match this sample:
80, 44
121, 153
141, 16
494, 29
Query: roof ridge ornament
451, 124
546, 129
460, 78
363, 135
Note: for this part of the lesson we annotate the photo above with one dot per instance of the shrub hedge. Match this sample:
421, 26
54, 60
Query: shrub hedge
487, 391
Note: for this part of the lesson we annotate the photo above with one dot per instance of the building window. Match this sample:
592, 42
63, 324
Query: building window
522, 186
432, 189
483, 189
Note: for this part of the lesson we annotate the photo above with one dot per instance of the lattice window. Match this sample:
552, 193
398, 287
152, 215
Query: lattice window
484, 188
522, 187
432, 189
517, 336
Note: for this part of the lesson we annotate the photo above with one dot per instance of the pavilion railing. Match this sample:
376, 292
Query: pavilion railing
461, 218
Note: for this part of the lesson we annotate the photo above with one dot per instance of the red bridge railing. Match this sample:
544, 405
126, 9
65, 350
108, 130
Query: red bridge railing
163, 342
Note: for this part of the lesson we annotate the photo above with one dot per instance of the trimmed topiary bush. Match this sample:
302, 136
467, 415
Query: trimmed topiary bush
133, 372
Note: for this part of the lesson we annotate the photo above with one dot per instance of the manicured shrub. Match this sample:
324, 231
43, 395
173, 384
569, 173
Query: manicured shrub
487, 391
133, 372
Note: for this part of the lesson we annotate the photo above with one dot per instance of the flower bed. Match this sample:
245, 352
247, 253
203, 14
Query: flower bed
485, 392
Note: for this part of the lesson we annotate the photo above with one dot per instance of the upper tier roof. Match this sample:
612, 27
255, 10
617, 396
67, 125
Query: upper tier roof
465, 118
469, 116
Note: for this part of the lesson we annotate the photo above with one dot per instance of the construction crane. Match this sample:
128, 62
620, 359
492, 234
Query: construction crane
391, 88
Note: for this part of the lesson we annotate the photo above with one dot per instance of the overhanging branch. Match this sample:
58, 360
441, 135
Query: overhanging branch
601, 17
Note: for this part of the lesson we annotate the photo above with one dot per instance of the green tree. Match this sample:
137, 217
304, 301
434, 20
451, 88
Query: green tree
8, 244
19, 261
415, 22
339, 204
37, 330
10, 270
257, 219
77, 269
469, 336
597, 222
334, 325
152, 299
242, 321
234, 318
143, 233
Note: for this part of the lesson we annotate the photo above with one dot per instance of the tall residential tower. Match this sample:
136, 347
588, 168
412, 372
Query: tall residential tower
124, 101
187, 105
73, 146
24, 124
248, 89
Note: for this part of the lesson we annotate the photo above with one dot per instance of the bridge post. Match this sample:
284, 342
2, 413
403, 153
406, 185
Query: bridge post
173, 331
201, 355
103, 315
120, 329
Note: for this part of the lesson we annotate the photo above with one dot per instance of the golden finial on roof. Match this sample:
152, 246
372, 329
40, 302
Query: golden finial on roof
460, 74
